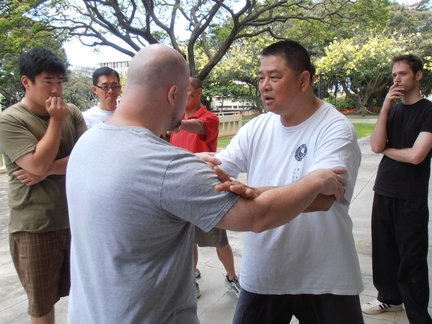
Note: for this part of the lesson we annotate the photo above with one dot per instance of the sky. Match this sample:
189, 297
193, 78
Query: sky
81, 55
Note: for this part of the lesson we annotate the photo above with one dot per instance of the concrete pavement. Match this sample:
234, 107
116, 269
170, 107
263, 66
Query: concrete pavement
217, 304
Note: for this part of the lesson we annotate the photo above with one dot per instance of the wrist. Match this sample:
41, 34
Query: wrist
57, 119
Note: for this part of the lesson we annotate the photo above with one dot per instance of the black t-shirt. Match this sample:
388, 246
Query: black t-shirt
404, 180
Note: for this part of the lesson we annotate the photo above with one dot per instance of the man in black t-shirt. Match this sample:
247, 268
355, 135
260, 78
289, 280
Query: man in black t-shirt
400, 215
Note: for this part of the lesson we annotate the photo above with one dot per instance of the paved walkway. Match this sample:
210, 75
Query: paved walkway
217, 304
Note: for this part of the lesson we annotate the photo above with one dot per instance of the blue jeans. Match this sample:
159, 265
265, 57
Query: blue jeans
308, 309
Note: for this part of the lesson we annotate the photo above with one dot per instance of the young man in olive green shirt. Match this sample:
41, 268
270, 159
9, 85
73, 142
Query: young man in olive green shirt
36, 138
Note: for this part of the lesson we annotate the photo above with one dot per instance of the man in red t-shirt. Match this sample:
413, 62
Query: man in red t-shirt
197, 133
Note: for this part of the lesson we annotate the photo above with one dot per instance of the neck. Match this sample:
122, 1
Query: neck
191, 111
107, 106
411, 98
39, 110
301, 111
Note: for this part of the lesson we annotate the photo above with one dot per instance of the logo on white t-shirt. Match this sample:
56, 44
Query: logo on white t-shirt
301, 152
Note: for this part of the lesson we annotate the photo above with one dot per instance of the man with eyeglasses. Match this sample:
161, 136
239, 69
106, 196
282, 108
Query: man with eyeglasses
106, 84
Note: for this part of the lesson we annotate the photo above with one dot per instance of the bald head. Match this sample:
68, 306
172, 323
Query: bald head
156, 66
156, 89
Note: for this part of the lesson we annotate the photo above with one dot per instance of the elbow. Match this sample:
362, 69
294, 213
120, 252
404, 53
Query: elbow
260, 224
326, 208
416, 160
377, 148
268, 222
377, 151
259, 228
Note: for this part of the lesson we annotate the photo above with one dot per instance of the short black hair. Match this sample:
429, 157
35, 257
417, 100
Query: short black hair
297, 58
413, 61
104, 71
195, 82
39, 60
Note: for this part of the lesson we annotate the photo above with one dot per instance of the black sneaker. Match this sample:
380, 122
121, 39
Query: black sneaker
198, 290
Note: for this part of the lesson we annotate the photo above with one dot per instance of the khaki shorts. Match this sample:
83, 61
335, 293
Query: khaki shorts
216, 237
42, 263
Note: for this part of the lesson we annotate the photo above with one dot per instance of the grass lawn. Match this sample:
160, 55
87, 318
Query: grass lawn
363, 129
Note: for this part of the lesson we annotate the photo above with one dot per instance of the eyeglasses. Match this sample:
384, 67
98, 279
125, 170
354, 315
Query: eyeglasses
107, 87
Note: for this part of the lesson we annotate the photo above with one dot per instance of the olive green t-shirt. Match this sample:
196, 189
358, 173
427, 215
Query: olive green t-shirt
41, 207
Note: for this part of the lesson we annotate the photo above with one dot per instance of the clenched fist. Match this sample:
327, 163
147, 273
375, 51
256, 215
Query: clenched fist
57, 108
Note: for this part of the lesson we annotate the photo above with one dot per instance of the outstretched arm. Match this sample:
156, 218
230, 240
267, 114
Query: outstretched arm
195, 126
321, 202
278, 206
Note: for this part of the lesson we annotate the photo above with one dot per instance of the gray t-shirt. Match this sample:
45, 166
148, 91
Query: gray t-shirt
133, 202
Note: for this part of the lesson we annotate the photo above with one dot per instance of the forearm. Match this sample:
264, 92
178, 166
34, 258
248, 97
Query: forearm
195, 126
59, 166
40, 160
413, 155
272, 208
403, 155
378, 138
321, 203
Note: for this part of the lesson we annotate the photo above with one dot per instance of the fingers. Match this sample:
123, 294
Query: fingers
223, 176
25, 177
340, 192
176, 130
57, 108
395, 92
338, 170
341, 179
238, 188
332, 181
209, 157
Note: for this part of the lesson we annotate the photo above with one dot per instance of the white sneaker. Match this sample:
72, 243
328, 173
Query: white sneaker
234, 285
377, 307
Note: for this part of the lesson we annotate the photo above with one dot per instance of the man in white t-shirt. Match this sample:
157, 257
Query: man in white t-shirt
133, 219
308, 268
106, 84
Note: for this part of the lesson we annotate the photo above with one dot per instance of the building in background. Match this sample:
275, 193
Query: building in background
120, 66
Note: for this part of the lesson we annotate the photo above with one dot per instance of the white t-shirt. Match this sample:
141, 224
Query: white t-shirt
95, 115
315, 253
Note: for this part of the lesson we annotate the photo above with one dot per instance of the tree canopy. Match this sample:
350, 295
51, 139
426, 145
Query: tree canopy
360, 64
20, 33
361, 67
211, 25
221, 39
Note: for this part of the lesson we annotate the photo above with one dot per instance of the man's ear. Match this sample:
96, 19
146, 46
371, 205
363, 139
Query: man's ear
25, 82
305, 79
172, 95
419, 75
93, 88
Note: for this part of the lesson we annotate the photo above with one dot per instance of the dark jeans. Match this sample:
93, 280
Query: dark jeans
308, 309
399, 255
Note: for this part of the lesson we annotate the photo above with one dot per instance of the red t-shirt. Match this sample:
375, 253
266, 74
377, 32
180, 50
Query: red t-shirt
196, 142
